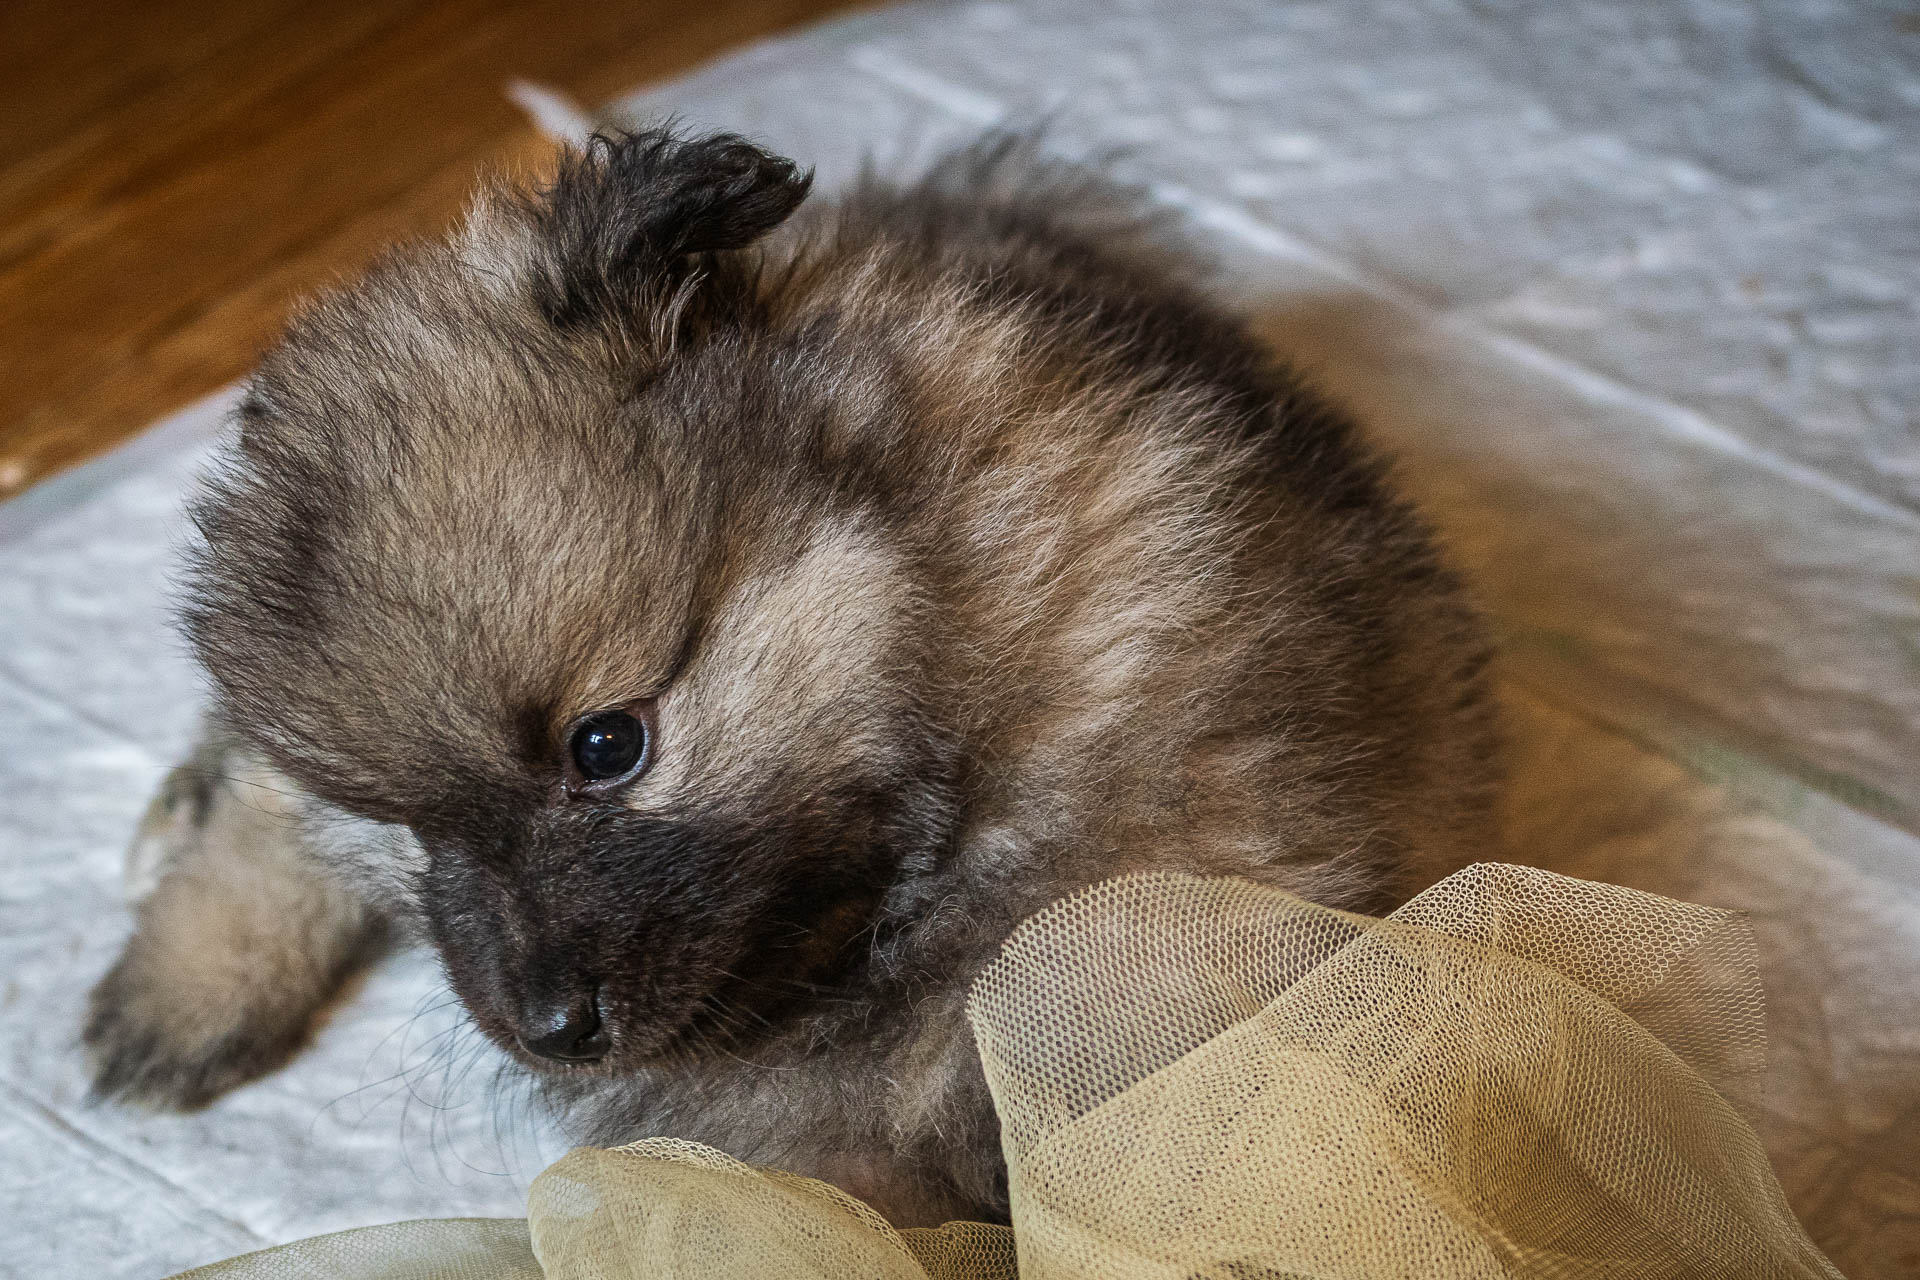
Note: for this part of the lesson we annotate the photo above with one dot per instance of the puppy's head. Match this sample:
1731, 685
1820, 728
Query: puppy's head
541, 542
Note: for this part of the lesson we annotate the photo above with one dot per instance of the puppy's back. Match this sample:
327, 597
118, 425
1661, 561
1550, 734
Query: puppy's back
1189, 619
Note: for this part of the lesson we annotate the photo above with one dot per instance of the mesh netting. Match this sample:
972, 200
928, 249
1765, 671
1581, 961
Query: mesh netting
665, 1208
1515, 1074
1208, 1076
434, 1249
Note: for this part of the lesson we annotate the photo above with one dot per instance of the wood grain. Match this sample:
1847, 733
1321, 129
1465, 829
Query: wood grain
173, 175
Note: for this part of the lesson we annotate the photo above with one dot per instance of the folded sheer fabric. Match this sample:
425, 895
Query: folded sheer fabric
1515, 1074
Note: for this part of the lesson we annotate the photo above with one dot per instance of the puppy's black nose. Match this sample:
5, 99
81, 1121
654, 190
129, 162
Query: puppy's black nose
565, 1030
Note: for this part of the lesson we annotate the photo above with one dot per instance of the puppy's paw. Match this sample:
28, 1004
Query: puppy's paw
240, 940
157, 1041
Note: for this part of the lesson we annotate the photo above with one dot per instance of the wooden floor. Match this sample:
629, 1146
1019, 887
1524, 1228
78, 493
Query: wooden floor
173, 174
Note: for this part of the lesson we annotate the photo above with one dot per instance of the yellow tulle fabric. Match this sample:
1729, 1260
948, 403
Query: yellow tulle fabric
1516, 1074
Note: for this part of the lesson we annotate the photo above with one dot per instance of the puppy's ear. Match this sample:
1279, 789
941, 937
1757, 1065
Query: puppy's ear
627, 219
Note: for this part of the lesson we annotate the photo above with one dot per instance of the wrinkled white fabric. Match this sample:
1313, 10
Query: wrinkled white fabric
1630, 288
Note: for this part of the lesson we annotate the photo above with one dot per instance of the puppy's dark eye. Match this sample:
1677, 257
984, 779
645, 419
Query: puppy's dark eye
611, 744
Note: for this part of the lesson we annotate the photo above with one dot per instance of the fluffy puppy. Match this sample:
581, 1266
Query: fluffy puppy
715, 626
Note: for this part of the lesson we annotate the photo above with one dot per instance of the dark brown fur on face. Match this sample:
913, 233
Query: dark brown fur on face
954, 556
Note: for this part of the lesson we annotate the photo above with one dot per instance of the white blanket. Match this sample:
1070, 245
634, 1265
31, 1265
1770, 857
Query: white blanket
1630, 288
